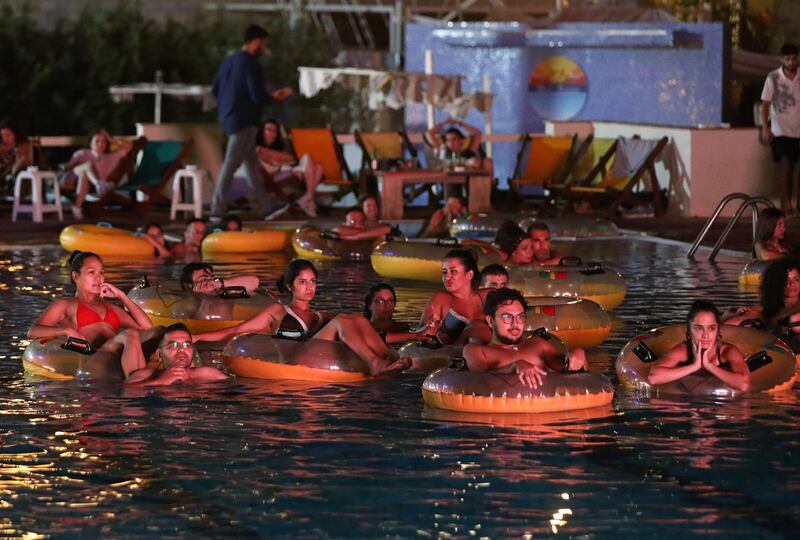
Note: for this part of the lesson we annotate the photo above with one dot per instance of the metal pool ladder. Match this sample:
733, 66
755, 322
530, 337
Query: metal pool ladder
747, 201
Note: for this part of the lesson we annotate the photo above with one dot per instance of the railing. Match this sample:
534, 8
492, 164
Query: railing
747, 201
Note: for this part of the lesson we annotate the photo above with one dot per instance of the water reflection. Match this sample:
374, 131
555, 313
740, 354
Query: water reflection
367, 459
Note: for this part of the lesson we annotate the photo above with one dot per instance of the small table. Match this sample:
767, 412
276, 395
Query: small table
479, 185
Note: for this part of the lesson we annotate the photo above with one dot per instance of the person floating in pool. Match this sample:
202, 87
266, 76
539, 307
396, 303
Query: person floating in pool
457, 312
231, 222
379, 310
494, 276
199, 277
90, 317
355, 227
295, 319
515, 245
372, 210
532, 358
153, 233
192, 240
543, 253
174, 362
702, 349
439, 224
770, 236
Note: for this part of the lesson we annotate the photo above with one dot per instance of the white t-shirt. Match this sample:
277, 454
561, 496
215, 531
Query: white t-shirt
784, 97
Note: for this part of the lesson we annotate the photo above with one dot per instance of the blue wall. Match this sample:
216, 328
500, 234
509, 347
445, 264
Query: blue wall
668, 74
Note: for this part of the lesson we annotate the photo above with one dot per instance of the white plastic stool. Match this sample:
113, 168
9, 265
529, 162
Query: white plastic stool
37, 207
195, 204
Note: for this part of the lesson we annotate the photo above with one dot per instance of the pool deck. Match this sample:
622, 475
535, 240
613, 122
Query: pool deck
25, 232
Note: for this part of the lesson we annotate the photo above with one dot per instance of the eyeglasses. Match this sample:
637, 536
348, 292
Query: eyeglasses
508, 318
175, 345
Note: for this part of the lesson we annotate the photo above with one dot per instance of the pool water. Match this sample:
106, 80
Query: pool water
287, 460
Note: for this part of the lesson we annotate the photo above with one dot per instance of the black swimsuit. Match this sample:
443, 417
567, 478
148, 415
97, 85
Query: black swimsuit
294, 327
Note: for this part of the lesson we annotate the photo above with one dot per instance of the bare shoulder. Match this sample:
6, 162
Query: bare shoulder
207, 374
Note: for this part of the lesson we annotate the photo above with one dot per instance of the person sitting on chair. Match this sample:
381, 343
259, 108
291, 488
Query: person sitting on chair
16, 153
452, 143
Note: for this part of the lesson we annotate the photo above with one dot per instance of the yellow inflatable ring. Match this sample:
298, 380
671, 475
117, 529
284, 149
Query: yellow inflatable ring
753, 273
591, 281
105, 241
247, 241
166, 303
474, 392
578, 322
261, 356
772, 365
422, 260
311, 243
484, 226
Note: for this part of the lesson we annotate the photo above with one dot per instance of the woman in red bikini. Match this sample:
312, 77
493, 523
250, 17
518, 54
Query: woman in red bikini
87, 316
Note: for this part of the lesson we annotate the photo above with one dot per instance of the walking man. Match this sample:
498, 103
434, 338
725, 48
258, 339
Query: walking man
241, 93
780, 121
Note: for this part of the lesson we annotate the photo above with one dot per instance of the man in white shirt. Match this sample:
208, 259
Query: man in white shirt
780, 119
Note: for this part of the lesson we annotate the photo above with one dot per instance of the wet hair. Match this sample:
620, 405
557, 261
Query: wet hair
177, 327
195, 220
699, 306
454, 131
293, 270
77, 259
538, 226
152, 224
501, 297
469, 261
354, 209
494, 270
188, 270
767, 221
773, 284
788, 48
509, 236
375, 289
231, 217
254, 32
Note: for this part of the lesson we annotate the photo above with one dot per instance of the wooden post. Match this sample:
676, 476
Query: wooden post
429, 71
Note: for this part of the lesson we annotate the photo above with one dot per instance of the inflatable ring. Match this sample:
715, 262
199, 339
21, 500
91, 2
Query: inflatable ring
105, 241
591, 281
261, 356
576, 321
484, 226
429, 359
752, 273
474, 392
772, 365
247, 241
422, 260
311, 243
166, 303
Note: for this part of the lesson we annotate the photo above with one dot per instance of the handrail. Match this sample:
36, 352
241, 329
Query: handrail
747, 201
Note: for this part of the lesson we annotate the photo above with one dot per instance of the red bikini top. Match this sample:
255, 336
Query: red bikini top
85, 316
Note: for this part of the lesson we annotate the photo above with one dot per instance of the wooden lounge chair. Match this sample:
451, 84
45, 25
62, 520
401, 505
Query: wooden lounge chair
548, 161
149, 174
323, 147
389, 148
612, 190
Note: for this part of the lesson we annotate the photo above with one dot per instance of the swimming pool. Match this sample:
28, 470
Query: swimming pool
285, 460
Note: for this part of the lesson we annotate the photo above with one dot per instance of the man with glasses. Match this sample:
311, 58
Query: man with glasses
511, 348
174, 362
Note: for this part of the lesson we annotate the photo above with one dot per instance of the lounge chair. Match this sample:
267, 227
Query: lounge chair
321, 144
548, 161
149, 174
388, 148
633, 159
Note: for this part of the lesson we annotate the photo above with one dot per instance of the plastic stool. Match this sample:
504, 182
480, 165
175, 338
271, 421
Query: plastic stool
195, 175
37, 207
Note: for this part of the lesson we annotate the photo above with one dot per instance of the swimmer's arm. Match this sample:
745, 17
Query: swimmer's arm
765, 254
265, 320
275, 157
488, 358
206, 374
49, 323
161, 249
348, 233
666, 368
433, 314
433, 223
248, 281
134, 317
554, 259
738, 376
553, 358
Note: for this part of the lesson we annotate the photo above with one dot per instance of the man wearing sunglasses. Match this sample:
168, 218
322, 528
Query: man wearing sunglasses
175, 362
511, 348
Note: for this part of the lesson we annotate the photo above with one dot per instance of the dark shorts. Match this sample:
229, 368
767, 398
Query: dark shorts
786, 148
